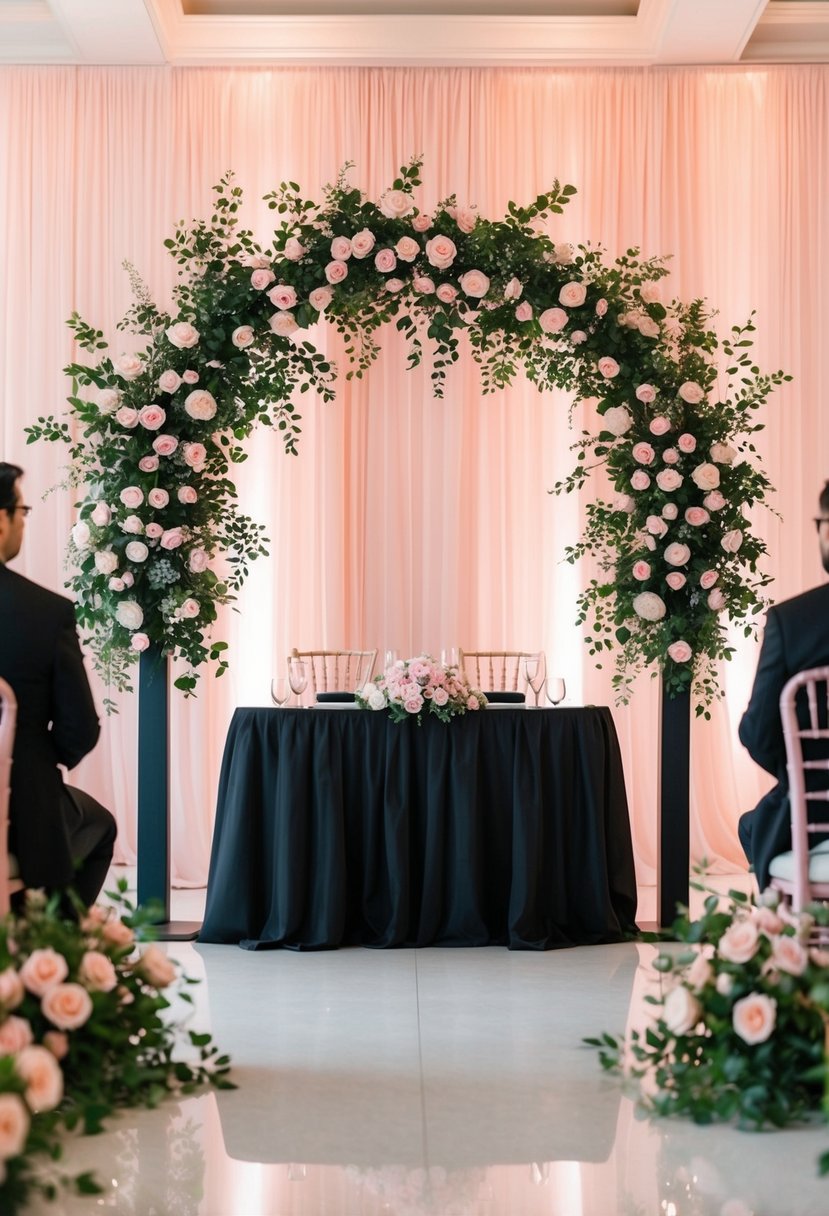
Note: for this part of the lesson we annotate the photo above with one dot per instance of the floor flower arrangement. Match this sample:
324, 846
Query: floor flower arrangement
410, 688
84, 1030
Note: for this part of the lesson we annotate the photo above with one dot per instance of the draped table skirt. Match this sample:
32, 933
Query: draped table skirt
339, 827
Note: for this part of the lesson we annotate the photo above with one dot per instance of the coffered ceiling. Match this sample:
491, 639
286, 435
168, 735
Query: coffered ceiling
414, 32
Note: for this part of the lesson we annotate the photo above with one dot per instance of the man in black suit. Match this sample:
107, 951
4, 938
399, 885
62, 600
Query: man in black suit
60, 836
796, 638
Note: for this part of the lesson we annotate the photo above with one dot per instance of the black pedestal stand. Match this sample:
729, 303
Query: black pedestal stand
673, 830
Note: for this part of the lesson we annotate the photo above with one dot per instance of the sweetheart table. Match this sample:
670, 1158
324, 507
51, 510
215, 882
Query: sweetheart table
336, 826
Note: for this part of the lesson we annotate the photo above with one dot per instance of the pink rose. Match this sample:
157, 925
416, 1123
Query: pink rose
706, 476
513, 289
182, 335
739, 942
116, 584
156, 967
198, 560
362, 243
472, 703
446, 293
670, 456
641, 571
699, 973
127, 578
81, 534
670, 510
658, 425
716, 600
385, 260
647, 540
128, 367
696, 516
15, 1034
67, 1006
441, 252
732, 540
284, 323
336, 271
96, 972
617, 419
131, 497
260, 279
577, 337
714, 501
201, 405
320, 298
56, 1042
474, 283
754, 1017
553, 320
190, 608
11, 989
101, 515
394, 285
691, 392
681, 1011
646, 393
116, 933
675, 580
423, 284
294, 249
153, 531
624, 502
649, 606
282, 296
649, 292
422, 222
127, 416
707, 579
677, 554
643, 453
413, 703
686, 442
465, 217
14, 1126
242, 336
158, 498
572, 295
647, 327
407, 249
169, 381
789, 955
563, 253
668, 479
340, 249
608, 367
601, 307
139, 642
656, 526
164, 445
524, 311
640, 480
172, 538
680, 651
396, 204
108, 399
187, 495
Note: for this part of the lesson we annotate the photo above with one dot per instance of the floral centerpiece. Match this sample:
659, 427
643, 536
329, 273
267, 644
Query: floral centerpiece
410, 688
739, 1029
153, 433
84, 1030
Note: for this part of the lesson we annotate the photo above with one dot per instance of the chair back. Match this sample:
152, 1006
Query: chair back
804, 713
496, 670
8, 723
336, 670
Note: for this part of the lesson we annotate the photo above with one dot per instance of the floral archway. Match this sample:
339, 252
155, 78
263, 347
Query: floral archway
153, 435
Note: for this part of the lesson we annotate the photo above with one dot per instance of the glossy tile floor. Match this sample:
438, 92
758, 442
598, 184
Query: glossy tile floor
428, 1083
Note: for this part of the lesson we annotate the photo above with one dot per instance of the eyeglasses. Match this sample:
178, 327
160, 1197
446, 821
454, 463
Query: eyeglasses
821, 519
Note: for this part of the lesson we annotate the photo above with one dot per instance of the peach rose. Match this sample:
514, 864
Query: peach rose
656, 525
43, 1078
681, 1011
723, 453
129, 367
57, 1042
15, 1034
282, 296
407, 249
649, 606
643, 453
362, 243
677, 554
739, 942
754, 1017
441, 252
577, 337
474, 283
294, 249
116, 933
423, 284
563, 254
261, 278
190, 376
708, 578
640, 480
601, 307
714, 501
158, 497
242, 336
14, 1126
669, 479
394, 285
706, 476
624, 502
659, 425
446, 293
691, 392
670, 510
11, 989
201, 405
716, 600
195, 454
116, 584
732, 540
686, 442
385, 260
513, 289
680, 651
148, 464
182, 335
67, 1006
396, 204
617, 419
422, 222
153, 530
465, 217
284, 323
198, 561
156, 967
320, 298
340, 251
641, 571
336, 271
42, 970
675, 580
553, 320
670, 456
696, 516
700, 972
187, 495
164, 445
572, 295
649, 292
647, 327
524, 311
96, 972
646, 393
169, 381
172, 538
127, 416
140, 642
608, 367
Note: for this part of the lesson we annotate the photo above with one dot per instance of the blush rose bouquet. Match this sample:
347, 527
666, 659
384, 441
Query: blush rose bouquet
740, 1017
410, 688
85, 1029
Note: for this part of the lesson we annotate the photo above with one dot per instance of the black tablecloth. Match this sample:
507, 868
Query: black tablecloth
339, 827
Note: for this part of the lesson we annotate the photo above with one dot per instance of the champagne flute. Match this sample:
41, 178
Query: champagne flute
390, 659
449, 656
534, 672
279, 691
297, 678
556, 690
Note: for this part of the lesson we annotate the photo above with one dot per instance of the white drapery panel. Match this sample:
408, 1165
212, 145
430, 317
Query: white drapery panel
408, 521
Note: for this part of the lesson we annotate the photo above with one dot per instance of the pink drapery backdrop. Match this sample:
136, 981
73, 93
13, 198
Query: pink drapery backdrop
407, 522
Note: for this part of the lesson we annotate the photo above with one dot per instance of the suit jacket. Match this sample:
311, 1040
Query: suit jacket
56, 722
796, 638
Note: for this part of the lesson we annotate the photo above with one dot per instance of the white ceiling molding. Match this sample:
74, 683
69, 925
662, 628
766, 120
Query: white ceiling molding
250, 32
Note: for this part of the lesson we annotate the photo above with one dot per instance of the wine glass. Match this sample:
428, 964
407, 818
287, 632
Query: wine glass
391, 658
449, 656
279, 691
297, 678
556, 690
534, 673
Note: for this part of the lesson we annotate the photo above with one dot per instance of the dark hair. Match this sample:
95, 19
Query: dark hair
824, 499
9, 474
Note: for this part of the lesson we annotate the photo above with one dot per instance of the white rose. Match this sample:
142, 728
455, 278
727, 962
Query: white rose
681, 1010
133, 525
106, 562
136, 551
183, 335
617, 420
129, 612
723, 453
101, 515
394, 204
201, 405
649, 606
376, 698
81, 534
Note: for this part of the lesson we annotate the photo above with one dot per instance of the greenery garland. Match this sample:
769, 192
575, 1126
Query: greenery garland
152, 435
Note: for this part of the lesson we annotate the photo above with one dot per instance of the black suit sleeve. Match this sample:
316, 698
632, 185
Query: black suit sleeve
760, 730
75, 726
